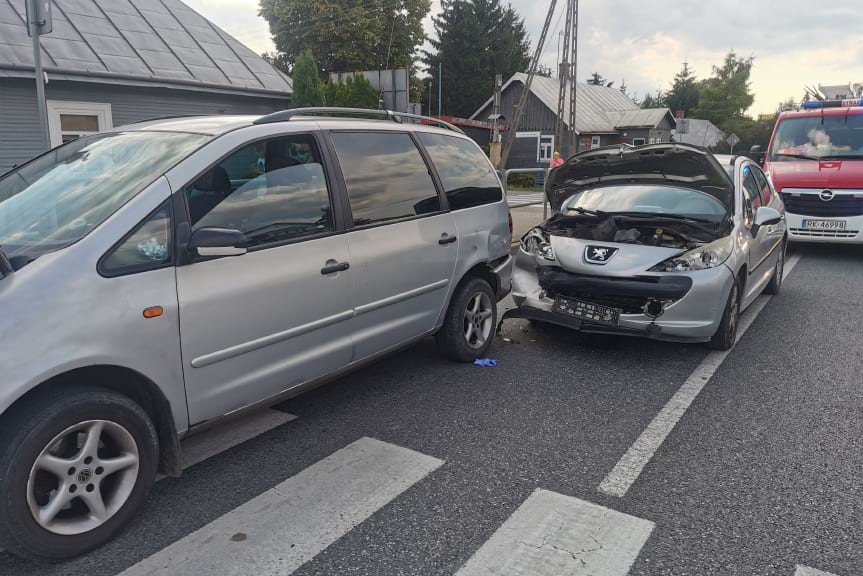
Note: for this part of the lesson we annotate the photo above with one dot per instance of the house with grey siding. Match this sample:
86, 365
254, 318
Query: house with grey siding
603, 116
114, 62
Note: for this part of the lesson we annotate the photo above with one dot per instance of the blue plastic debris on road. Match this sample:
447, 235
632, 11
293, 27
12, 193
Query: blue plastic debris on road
485, 362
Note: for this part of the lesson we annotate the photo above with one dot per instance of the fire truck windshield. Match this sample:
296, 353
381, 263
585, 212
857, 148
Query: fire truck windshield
818, 138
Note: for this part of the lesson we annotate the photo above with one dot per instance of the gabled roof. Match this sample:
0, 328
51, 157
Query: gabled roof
593, 104
133, 41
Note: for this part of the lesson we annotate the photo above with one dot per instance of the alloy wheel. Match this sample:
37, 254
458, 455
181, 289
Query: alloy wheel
477, 320
83, 477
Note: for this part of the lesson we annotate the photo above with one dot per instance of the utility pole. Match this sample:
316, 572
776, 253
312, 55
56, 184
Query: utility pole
494, 145
573, 99
534, 63
38, 13
561, 137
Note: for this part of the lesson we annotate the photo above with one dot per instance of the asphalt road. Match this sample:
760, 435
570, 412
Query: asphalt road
762, 473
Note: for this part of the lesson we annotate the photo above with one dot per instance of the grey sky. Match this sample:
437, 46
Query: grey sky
795, 42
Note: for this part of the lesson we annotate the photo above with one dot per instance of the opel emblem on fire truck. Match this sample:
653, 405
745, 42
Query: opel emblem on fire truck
826, 195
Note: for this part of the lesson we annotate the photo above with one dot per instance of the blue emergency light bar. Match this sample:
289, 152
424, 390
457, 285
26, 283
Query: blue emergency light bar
816, 104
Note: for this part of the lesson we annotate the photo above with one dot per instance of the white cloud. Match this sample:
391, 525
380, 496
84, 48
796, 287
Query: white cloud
646, 42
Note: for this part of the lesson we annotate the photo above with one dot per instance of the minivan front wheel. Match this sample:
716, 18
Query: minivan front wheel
468, 329
79, 465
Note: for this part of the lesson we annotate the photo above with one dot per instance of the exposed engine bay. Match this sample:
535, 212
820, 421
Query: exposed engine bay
665, 232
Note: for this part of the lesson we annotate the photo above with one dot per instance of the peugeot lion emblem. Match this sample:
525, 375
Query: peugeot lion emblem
826, 195
599, 254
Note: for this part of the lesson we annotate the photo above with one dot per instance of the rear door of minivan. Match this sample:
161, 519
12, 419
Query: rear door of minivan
402, 240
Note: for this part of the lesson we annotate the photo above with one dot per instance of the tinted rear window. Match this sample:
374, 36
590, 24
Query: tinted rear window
386, 177
467, 176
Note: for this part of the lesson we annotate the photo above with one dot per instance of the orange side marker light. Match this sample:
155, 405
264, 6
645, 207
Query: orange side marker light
153, 312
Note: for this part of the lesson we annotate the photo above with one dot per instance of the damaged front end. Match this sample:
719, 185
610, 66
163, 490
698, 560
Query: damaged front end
616, 258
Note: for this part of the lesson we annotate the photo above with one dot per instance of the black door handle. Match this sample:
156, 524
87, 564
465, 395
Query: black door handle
340, 267
447, 239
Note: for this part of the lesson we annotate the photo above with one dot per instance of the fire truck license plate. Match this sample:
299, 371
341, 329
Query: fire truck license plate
824, 224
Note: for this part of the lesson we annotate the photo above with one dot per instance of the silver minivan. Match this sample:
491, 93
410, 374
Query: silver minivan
163, 275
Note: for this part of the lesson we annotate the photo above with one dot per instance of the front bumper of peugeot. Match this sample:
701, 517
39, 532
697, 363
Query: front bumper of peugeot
693, 303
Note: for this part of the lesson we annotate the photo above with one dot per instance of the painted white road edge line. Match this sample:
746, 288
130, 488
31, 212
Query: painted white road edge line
806, 571
630, 466
288, 525
555, 535
206, 444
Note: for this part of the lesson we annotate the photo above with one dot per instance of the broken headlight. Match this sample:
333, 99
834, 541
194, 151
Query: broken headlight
701, 258
536, 242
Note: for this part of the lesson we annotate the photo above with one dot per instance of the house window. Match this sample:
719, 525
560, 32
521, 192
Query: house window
638, 141
70, 120
546, 148
594, 142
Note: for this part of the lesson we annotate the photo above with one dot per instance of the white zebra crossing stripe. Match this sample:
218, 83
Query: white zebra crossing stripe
525, 199
552, 534
804, 571
286, 526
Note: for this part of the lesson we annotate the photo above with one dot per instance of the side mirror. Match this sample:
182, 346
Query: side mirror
756, 153
216, 242
765, 216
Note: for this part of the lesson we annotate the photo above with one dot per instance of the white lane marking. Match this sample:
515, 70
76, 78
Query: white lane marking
629, 467
806, 571
552, 534
286, 526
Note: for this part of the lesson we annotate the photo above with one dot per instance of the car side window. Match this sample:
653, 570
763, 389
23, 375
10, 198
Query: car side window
751, 193
386, 176
147, 247
271, 191
763, 186
468, 178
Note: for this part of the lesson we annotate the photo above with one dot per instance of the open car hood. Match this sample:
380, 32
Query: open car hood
674, 164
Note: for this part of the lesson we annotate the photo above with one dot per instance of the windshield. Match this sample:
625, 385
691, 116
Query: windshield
648, 199
58, 198
833, 137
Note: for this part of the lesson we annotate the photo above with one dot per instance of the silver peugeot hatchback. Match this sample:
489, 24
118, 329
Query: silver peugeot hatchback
163, 275
663, 241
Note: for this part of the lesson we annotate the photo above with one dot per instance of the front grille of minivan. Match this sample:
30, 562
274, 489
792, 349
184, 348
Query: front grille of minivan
812, 205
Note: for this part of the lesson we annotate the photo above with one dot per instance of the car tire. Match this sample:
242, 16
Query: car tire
726, 334
469, 326
775, 283
84, 446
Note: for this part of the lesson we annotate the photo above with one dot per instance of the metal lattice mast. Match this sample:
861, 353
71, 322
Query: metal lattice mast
573, 134
534, 63
560, 134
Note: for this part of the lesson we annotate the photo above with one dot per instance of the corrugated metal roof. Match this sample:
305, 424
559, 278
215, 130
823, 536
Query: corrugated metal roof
641, 118
164, 40
599, 109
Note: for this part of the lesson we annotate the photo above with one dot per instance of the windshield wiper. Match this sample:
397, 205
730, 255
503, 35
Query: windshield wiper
798, 156
843, 157
587, 212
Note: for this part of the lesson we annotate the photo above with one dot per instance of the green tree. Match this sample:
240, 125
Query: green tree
654, 100
347, 35
308, 90
786, 105
683, 95
474, 40
355, 92
725, 95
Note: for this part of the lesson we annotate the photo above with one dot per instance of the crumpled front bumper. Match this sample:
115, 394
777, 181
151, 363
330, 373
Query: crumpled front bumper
693, 317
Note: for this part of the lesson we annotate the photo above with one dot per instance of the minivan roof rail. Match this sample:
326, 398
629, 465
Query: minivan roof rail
285, 115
